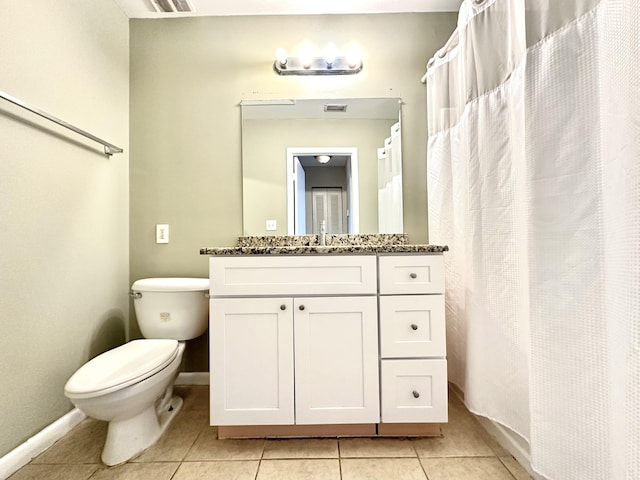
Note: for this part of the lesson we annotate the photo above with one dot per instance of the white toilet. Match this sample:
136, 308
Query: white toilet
131, 386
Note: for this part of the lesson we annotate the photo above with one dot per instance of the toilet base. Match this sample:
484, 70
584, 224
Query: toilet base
128, 438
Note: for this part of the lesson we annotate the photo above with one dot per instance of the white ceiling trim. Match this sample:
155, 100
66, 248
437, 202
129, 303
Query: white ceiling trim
143, 8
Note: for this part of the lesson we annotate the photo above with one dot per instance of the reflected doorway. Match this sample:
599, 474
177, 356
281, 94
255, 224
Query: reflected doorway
320, 189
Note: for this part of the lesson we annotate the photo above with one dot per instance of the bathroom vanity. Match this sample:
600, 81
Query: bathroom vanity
310, 340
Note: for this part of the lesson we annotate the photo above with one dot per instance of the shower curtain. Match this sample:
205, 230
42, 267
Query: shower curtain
390, 183
534, 183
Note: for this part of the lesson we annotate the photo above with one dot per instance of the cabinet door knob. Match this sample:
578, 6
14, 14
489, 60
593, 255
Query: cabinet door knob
283, 307
301, 307
414, 326
416, 394
413, 275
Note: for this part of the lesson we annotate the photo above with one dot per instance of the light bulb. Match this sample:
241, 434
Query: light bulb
329, 53
305, 57
281, 56
353, 57
323, 158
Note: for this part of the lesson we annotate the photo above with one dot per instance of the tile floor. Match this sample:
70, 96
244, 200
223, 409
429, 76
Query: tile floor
191, 450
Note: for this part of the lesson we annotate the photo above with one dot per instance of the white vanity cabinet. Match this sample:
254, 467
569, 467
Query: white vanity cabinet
294, 340
413, 366
323, 342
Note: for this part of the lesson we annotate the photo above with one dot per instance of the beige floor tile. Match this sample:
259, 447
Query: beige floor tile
382, 469
227, 470
178, 439
515, 468
455, 442
376, 447
497, 449
306, 469
461, 419
301, 448
83, 444
459, 416
466, 468
195, 397
208, 447
137, 471
54, 472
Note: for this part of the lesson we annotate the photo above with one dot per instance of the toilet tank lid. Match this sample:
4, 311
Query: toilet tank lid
120, 367
171, 284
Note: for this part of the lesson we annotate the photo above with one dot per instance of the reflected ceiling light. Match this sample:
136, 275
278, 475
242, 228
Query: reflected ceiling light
323, 158
330, 63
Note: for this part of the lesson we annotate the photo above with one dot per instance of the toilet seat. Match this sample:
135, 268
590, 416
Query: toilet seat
121, 367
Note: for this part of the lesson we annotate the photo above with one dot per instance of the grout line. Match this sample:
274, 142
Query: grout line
339, 458
258, 469
507, 468
424, 470
176, 471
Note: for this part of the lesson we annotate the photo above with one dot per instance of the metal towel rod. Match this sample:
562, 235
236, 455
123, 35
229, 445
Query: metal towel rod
109, 149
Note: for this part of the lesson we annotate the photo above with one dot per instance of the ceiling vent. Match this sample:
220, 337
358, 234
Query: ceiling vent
335, 107
170, 6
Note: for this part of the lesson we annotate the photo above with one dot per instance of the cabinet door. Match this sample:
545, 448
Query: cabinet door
336, 360
251, 361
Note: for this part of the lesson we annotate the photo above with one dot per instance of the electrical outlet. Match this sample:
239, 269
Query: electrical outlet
271, 225
162, 233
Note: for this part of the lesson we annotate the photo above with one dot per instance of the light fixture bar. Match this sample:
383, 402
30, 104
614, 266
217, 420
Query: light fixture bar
318, 66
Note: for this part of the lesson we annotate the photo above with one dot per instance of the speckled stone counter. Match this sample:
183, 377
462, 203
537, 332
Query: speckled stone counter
335, 244
330, 239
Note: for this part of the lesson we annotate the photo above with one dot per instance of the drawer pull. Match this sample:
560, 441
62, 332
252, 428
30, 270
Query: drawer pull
301, 307
416, 394
283, 307
413, 275
414, 326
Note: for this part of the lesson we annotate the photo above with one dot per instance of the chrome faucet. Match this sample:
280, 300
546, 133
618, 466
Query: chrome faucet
323, 233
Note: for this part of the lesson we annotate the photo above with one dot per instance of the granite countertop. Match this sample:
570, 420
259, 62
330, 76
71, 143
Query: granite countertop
335, 244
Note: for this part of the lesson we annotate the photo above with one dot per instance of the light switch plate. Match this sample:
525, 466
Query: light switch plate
162, 233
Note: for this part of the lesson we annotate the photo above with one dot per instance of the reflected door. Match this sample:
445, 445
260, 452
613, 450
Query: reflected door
327, 206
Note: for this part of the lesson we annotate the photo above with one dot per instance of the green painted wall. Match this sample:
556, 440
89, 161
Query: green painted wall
187, 78
64, 205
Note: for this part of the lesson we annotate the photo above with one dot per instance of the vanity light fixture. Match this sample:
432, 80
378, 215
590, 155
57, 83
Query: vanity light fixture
330, 63
323, 159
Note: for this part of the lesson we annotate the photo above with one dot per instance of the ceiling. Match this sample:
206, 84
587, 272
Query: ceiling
143, 8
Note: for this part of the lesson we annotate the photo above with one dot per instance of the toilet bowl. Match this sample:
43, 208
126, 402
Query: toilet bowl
131, 386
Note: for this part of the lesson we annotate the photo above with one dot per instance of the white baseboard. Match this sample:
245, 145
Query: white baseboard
34, 446
193, 378
511, 442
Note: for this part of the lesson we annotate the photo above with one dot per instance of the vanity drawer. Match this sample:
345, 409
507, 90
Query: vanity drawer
293, 275
414, 391
411, 274
412, 326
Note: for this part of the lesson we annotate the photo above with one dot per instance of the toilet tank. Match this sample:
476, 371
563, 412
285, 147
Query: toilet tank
175, 308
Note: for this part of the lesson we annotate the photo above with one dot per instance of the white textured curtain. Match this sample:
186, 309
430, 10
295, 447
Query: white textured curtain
534, 183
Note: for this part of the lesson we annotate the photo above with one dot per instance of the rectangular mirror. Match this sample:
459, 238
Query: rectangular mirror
289, 188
